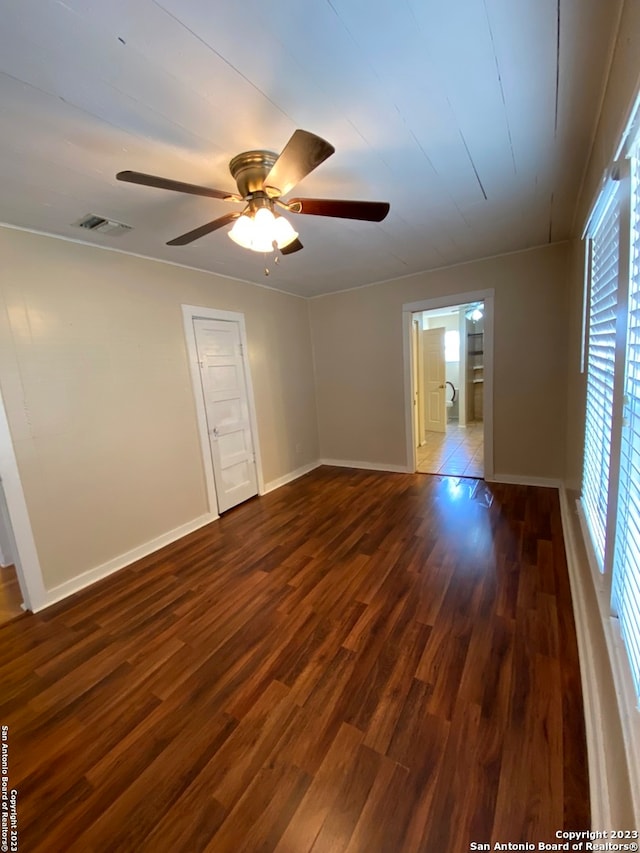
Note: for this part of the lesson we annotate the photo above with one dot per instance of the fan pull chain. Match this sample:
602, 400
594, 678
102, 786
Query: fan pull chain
276, 258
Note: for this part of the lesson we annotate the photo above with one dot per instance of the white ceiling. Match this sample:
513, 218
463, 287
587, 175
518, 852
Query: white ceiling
473, 118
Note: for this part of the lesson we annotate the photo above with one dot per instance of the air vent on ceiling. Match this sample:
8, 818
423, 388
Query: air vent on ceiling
91, 222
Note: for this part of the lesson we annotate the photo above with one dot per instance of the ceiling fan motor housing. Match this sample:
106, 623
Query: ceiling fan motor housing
250, 169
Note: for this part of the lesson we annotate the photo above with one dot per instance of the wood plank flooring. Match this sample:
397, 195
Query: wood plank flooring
355, 662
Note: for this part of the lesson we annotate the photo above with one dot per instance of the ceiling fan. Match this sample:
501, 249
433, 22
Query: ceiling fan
263, 178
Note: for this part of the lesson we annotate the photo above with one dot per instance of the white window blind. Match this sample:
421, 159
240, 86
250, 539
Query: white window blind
626, 565
600, 370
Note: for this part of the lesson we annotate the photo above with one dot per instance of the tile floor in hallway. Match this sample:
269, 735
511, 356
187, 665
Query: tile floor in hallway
458, 452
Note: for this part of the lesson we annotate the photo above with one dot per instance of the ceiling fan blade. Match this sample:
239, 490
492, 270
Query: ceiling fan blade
190, 236
177, 186
294, 246
370, 211
300, 156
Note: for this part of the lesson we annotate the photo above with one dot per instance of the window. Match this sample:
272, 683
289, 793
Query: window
604, 245
452, 345
610, 497
626, 564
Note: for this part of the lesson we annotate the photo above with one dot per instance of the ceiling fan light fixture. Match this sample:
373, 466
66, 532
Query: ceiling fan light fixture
264, 230
474, 312
242, 231
259, 231
285, 232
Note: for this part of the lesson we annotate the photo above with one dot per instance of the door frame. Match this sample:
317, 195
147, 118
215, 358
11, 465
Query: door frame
189, 314
453, 299
416, 396
27, 561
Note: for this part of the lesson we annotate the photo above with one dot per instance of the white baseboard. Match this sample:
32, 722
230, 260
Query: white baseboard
290, 477
367, 466
596, 750
525, 480
63, 590
612, 720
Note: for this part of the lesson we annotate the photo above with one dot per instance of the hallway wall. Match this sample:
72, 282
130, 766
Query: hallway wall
357, 339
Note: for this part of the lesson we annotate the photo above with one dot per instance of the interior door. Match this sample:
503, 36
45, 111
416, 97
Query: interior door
415, 382
224, 387
434, 379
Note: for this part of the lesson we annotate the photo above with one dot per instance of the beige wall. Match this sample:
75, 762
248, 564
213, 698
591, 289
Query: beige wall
357, 337
450, 322
96, 383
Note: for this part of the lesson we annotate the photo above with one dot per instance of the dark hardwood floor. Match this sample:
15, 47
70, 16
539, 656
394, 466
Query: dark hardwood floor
356, 662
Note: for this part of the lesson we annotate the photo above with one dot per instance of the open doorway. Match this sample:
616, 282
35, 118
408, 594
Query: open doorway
448, 372
21, 578
10, 593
